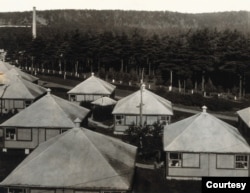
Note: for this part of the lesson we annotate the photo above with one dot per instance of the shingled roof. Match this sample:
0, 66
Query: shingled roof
104, 101
14, 87
152, 104
204, 133
93, 85
49, 111
77, 159
6, 67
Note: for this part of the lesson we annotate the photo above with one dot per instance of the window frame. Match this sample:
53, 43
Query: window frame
9, 138
177, 160
242, 162
122, 120
31, 134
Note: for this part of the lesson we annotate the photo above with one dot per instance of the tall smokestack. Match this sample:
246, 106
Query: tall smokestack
34, 23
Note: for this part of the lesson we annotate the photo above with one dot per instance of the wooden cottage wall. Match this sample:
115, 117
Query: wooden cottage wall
207, 167
23, 144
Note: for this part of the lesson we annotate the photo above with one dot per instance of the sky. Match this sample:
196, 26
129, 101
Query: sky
184, 6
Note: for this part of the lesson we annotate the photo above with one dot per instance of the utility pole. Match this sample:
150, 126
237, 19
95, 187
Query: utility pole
141, 102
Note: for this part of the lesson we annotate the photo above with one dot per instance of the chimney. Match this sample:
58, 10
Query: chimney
77, 122
34, 23
204, 109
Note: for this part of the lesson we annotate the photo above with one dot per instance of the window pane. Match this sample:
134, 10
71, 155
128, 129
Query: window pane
130, 120
10, 134
241, 162
175, 160
175, 155
18, 104
119, 120
190, 160
152, 120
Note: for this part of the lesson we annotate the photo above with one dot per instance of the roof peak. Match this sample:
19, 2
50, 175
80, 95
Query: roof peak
204, 109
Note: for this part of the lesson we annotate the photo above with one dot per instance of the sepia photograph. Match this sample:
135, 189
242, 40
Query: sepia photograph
124, 96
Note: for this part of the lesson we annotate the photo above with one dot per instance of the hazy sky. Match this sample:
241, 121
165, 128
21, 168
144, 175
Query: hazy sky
185, 6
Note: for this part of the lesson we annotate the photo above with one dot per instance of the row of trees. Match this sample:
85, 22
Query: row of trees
192, 57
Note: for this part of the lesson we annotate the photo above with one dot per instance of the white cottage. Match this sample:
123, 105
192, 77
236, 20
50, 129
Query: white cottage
78, 161
42, 120
17, 93
91, 89
144, 105
203, 145
5, 67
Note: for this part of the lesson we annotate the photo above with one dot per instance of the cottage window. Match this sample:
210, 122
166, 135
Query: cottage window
24, 134
175, 160
16, 190
224, 161
63, 130
130, 120
164, 119
191, 160
119, 120
89, 97
241, 162
10, 134
151, 120
27, 103
73, 98
18, 104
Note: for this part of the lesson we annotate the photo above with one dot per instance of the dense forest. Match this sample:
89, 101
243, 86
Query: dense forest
203, 51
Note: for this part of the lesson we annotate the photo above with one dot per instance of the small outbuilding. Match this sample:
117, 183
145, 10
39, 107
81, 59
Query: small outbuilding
47, 117
91, 89
141, 107
203, 145
78, 161
102, 108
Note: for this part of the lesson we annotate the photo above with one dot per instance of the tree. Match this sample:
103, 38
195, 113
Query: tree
147, 138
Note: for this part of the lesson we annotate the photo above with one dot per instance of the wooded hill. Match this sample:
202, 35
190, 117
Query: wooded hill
159, 22
119, 44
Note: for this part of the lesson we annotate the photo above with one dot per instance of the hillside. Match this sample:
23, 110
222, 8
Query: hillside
147, 22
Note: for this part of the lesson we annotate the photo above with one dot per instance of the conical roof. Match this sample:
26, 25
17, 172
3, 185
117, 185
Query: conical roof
104, 101
244, 114
49, 111
204, 133
93, 85
152, 104
78, 158
5, 67
15, 87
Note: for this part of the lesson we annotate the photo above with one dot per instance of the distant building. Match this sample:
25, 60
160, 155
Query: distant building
47, 117
91, 89
78, 161
17, 93
154, 108
244, 122
203, 145
102, 108
8, 69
